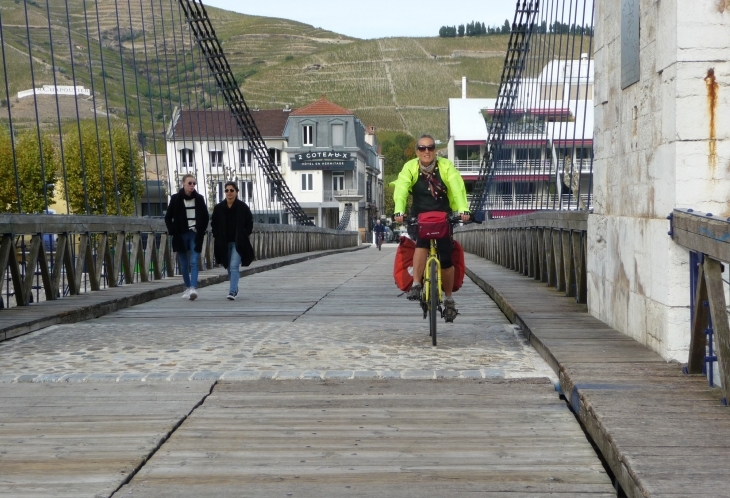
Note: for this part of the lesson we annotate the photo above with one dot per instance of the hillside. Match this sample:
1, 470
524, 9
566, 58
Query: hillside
398, 84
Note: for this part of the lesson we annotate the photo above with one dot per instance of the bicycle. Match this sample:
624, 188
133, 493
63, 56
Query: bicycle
432, 294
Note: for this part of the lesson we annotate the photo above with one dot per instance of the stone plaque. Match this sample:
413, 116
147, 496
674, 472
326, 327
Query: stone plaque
629, 42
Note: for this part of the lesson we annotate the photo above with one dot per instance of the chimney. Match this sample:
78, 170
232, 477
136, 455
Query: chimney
463, 87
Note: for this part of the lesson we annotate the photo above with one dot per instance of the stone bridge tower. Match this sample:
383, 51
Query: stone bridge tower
662, 140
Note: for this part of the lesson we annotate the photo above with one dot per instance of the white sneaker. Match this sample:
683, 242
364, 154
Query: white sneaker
193, 294
186, 294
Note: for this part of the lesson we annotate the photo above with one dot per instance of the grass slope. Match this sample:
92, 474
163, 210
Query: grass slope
394, 84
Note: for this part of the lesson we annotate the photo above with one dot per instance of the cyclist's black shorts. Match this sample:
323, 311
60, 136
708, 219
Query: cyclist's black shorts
443, 246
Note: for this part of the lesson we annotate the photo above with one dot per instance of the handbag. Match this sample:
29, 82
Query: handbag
433, 225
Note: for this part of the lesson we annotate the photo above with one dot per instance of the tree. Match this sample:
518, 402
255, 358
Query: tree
31, 178
397, 150
506, 27
117, 162
461, 30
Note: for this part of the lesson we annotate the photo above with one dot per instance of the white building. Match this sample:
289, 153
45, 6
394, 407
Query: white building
545, 161
328, 159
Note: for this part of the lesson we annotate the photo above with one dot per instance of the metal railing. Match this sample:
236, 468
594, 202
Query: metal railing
49, 257
707, 238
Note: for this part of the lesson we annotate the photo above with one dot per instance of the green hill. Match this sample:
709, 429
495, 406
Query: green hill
394, 84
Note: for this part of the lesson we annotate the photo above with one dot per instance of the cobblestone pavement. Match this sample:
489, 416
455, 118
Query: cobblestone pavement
335, 317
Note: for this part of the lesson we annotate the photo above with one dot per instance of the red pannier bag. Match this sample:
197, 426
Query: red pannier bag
457, 258
433, 225
403, 266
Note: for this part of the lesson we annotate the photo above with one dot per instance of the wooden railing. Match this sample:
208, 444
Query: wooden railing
549, 246
708, 239
48, 257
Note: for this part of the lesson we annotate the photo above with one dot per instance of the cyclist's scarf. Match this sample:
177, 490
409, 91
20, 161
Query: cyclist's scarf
434, 185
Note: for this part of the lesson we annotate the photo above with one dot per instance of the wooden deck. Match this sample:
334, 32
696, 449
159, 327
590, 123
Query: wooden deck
344, 436
661, 432
391, 438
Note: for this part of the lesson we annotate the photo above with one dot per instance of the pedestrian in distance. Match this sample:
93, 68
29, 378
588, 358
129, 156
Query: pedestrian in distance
379, 230
436, 185
187, 220
232, 225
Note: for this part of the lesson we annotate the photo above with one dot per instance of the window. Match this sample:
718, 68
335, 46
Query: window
275, 157
186, 158
273, 192
216, 158
338, 134
307, 181
307, 135
245, 157
338, 181
246, 192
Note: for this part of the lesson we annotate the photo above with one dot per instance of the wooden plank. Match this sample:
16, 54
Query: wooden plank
568, 264
48, 289
30, 266
719, 250
559, 261
720, 324
6, 247
72, 440
101, 251
83, 248
698, 339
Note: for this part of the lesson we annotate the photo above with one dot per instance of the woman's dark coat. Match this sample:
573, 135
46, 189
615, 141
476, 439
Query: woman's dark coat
244, 227
176, 220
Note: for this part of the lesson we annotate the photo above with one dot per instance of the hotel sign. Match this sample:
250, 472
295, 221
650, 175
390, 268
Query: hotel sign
325, 161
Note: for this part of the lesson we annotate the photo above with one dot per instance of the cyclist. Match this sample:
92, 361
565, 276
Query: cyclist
436, 185
379, 230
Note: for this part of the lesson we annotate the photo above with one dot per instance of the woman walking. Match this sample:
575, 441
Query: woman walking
187, 221
232, 224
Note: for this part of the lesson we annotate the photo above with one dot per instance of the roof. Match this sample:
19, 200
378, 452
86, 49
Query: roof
322, 107
219, 124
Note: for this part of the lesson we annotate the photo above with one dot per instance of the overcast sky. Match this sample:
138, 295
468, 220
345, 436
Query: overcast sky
378, 18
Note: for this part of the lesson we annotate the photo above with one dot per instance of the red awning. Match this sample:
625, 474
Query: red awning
586, 142
470, 142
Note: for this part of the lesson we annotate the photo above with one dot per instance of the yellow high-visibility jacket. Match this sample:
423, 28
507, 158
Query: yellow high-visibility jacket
455, 189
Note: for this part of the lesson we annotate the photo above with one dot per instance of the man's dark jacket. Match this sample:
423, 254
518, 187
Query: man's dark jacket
176, 220
244, 227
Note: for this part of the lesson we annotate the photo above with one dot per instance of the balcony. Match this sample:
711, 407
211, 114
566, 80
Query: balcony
348, 195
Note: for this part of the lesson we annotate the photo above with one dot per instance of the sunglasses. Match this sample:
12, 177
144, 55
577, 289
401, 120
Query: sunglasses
192, 183
429, 148
229, 190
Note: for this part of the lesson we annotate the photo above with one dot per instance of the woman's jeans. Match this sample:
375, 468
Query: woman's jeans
189, 268
234, 267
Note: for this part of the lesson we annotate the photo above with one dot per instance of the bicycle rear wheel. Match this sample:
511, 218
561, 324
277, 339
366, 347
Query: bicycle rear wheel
433, 300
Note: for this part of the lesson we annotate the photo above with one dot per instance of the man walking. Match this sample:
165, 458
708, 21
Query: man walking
187, 220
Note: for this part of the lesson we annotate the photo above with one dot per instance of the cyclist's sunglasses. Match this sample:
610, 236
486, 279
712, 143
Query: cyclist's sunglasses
230, 190
429, 148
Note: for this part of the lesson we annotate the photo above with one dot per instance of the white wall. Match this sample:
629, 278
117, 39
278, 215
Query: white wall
652, 154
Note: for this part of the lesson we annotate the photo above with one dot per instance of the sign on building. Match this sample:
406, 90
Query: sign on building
324, 161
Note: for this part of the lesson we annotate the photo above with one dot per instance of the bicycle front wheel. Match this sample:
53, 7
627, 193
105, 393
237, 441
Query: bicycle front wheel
433, 299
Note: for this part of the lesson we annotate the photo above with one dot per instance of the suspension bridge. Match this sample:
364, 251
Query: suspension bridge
591, 355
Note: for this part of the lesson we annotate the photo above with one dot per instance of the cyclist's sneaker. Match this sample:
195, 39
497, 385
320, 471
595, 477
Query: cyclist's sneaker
450, 310
415, 293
